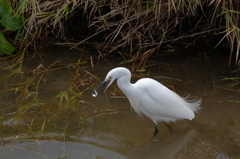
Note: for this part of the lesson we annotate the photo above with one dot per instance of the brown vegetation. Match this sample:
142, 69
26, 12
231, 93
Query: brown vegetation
141, 28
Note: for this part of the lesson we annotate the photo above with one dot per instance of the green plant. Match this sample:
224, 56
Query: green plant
11, 22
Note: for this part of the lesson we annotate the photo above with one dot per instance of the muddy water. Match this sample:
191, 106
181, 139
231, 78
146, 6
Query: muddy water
214, 132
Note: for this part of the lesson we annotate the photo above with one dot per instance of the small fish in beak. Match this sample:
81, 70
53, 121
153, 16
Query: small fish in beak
95, 93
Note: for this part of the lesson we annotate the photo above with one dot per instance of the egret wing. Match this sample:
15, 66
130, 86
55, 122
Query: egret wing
161, 103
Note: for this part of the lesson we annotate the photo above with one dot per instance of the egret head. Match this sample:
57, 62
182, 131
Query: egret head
111, 76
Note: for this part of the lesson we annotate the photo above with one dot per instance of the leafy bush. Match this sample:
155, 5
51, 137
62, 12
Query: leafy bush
9, 21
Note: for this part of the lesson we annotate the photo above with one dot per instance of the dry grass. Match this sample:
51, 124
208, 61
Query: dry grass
29, 103
144, 26
139, 27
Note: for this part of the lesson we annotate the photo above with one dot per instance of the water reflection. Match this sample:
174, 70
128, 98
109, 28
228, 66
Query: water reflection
56, 150
167, 147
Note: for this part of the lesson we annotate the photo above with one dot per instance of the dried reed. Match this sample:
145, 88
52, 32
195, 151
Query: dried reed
141, 27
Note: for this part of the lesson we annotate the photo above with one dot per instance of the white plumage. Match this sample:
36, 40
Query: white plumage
151, 98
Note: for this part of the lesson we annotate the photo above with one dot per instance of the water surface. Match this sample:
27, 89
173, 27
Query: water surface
120, 132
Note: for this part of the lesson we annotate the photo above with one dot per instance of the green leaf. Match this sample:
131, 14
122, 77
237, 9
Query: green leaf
11, 22
5, 8
5, 46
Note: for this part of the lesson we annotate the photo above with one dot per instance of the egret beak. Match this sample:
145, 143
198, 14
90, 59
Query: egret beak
95, 94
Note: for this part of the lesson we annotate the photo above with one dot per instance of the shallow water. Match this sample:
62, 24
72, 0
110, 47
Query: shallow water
121, 133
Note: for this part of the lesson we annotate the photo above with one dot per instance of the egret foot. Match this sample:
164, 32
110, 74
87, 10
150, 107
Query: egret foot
156, 129
169, 127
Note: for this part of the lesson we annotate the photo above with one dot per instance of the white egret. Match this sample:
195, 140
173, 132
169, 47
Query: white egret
151, 98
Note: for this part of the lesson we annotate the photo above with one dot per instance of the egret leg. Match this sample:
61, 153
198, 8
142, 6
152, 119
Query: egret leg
169, 127
156, 129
